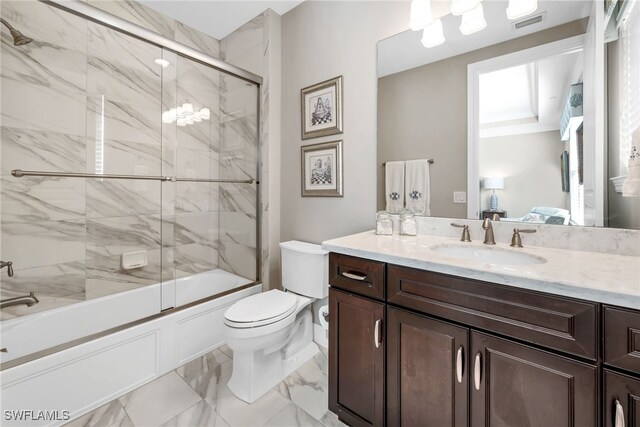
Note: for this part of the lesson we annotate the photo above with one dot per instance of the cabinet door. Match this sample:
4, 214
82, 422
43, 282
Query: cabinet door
516, 385
621, 400
427, 375
356, 359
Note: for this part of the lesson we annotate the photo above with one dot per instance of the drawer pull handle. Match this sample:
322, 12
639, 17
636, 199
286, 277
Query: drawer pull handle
376, 333
459, 365
476, 372
619, 415
354, 276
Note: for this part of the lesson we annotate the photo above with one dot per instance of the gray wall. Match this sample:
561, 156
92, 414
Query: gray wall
530, 165
624, 212
423, 113
321, 40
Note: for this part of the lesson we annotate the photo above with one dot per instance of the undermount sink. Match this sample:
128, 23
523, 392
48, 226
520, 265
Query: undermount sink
488, 254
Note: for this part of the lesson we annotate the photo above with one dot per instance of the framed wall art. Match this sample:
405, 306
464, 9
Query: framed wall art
322, 169
322, 109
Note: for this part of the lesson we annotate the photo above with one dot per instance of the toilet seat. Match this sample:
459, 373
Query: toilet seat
261, 309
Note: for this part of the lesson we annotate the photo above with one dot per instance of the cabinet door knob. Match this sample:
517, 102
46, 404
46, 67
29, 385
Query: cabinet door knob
376, 333
459, 365
619, 415
354, 276
476, 372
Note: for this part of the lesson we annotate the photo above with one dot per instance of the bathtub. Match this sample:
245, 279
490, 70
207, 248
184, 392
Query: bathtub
75, 380
29, 334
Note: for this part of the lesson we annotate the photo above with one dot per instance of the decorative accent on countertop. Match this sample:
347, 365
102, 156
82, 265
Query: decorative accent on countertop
384, 225
408, 225
631, 184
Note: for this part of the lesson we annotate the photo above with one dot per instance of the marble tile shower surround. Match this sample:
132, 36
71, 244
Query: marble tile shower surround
80, 89
590, 239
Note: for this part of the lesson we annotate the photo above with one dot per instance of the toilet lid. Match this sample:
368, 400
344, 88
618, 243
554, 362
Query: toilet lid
261, 309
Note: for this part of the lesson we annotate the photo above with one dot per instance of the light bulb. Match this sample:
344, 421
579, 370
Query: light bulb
519, 8
420, 15
187, 108
473, 21
162, 62
205, 113
460, 7
433, 34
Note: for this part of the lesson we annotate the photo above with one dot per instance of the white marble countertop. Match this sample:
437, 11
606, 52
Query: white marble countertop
592, 276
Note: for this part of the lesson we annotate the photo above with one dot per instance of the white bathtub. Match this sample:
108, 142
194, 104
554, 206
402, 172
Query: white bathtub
74, 381
28, 334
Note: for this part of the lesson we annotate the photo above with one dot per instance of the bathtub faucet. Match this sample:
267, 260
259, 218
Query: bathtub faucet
27, 300
9, 266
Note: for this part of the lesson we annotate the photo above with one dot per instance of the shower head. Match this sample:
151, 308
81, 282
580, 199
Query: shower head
19, 39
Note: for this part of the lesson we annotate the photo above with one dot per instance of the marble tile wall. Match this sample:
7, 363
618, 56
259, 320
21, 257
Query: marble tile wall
253, 47
82, 97
239, 149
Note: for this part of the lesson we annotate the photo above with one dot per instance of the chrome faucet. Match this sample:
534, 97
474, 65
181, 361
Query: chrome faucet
27, 300
9, 266
489, 239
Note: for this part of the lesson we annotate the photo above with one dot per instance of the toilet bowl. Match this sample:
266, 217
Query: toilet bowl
271, 333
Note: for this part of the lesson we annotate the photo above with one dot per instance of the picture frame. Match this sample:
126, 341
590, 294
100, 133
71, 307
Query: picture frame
321, 108
321, 167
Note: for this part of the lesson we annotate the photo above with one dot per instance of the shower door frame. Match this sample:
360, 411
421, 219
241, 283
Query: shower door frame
92, 13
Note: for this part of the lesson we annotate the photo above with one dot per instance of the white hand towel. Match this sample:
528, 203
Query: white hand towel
631, 184
417, 187
394, 186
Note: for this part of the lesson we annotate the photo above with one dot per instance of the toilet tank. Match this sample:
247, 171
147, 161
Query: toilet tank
305, 269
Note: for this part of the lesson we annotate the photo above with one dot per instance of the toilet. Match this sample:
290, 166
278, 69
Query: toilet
271, 333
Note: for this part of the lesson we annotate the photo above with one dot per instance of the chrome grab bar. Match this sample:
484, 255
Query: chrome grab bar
19, 173
28, 300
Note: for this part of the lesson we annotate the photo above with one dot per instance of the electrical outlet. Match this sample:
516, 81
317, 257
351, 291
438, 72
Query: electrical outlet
459, 197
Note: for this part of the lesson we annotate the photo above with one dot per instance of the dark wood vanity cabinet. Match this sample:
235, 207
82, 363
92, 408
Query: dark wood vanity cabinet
621, 401
357, 359
462, 352
426, 371
516, 385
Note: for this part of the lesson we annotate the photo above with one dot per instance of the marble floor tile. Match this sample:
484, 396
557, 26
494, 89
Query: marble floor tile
226, 350
308, 387
207, 401
111, 414
159, 401
239, 413
293, 416
200, 415
202, 365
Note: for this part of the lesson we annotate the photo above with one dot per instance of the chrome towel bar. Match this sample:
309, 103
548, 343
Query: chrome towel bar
19, 173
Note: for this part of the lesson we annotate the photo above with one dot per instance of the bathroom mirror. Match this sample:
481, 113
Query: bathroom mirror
500, 112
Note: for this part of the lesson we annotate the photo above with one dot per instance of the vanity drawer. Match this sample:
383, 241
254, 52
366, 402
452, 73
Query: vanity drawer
357, 275
555, 322
622, 338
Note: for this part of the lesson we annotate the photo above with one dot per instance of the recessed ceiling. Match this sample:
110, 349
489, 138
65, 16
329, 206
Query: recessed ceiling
527, 98
217, 18
405, 51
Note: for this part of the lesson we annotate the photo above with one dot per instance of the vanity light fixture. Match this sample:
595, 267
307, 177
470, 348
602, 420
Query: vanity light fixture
473, 21
519, 8
433, 35
460, 7
420, 15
